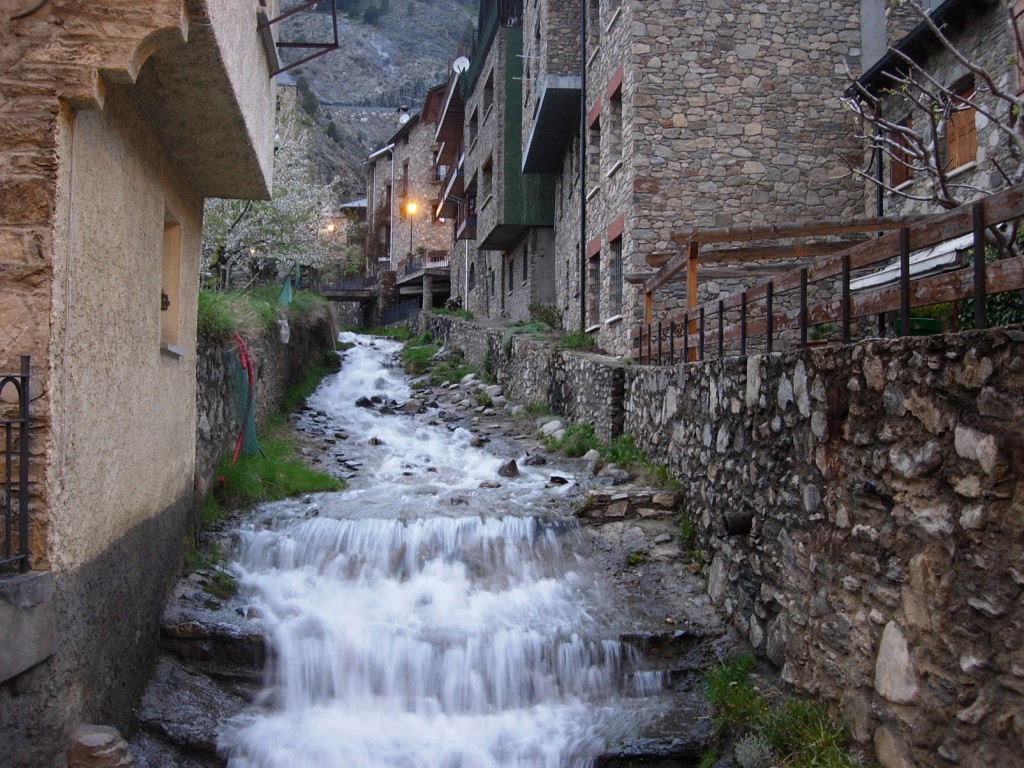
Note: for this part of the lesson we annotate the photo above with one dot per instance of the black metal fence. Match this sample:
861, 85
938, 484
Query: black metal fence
14, 492
407, 310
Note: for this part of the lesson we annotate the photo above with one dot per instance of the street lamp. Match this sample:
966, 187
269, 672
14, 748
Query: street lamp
410, 211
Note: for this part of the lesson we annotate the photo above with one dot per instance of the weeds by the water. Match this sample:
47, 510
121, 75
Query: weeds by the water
417, 354
297, 393
277, 473
793, 732
577, 440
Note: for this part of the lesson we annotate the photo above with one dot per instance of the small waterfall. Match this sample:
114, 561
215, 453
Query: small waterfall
421, 621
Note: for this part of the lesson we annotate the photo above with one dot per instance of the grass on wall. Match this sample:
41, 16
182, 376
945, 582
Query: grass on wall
250, 312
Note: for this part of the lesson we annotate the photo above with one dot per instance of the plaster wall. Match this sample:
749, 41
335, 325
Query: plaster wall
246, 64
125, 409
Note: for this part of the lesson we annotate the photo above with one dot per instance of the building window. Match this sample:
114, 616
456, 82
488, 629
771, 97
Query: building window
900, 170
511, 273
472, 277
594, 290
526, 263
170, 283
615, 246
486, 177
594, 153
474, 127
488, 93
961, 133
615, 127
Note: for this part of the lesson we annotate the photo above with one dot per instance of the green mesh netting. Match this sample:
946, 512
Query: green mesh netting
285, 296
245, 403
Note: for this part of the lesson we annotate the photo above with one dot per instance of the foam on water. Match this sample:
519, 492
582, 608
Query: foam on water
419, 621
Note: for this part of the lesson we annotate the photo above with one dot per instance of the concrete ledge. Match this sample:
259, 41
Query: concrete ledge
27, 618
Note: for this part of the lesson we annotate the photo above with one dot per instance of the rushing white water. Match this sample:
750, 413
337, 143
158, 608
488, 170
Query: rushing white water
418, 620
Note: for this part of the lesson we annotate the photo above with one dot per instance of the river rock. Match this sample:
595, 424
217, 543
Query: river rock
185, 709
509, 469
98, 746
364, 402
535, 460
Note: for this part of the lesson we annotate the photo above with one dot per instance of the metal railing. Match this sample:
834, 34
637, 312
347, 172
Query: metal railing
429, 260
14, 495
731, 324
356, 283
400, 312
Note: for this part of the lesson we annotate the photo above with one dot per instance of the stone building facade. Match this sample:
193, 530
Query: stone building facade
512, 211
404, 235
971, 147
119, 119
705, 116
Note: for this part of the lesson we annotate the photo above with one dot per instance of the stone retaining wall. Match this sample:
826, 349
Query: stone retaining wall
277, 367
860, 509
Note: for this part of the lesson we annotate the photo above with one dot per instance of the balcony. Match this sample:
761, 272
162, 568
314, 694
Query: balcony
558, 105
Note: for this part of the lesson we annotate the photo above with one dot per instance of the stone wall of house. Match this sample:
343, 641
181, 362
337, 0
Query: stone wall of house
860, 509
729, 116
988, 42
420, 231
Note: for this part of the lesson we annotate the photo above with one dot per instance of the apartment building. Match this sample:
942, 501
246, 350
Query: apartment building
512, 212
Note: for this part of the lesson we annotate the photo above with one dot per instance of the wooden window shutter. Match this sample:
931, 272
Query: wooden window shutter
961, 134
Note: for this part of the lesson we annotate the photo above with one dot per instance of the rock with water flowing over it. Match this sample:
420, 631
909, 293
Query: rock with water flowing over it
185, 709
509, 469
98, 746
364, 402
535, 460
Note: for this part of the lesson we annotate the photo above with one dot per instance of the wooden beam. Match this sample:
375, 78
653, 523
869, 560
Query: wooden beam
759, 252
806, 228
777, 252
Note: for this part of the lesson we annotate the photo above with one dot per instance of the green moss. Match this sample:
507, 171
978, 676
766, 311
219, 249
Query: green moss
634, 559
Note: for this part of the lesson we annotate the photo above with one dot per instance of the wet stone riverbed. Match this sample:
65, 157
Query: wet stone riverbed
469, 601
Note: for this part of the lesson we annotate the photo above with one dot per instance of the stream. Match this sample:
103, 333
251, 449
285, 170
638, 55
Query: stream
436, 614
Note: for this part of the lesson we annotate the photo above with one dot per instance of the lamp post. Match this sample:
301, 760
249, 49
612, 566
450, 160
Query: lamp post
410, 211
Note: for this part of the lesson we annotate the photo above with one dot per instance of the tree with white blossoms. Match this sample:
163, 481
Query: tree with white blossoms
917, 143
280, 233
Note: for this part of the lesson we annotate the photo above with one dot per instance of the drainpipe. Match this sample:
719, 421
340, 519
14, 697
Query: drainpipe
583, 165
465, 276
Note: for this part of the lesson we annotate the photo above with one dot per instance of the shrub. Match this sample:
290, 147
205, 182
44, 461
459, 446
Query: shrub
577, 340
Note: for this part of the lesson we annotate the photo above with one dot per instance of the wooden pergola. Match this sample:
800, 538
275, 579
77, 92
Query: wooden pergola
778, 268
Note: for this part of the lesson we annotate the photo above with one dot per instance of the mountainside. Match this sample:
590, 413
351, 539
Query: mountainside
390, 52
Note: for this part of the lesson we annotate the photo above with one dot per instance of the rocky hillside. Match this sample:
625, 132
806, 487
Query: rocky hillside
390, 52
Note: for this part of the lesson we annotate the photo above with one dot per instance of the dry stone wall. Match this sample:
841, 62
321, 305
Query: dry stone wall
277, 366
861, 509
